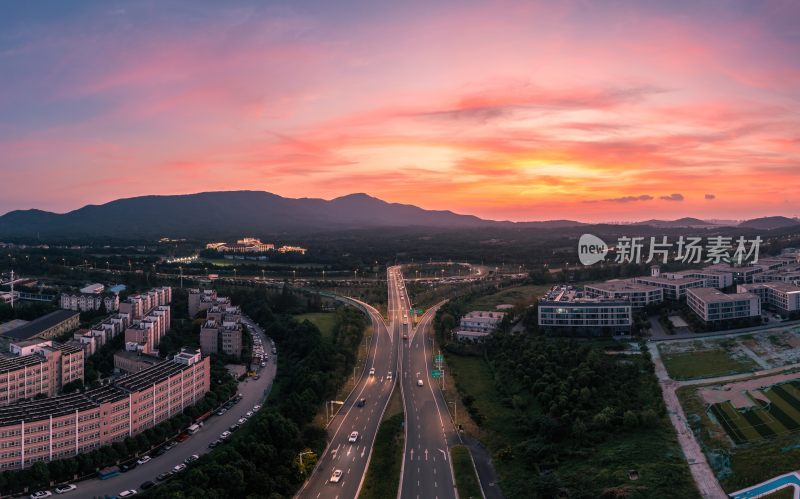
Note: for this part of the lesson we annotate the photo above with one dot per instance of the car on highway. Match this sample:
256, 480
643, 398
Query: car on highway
337, 475
389, 376
163, 476
41, 494
419, 382
178, 468
127, 493
372, 371
63, 489
144, 460
353, 437
361, 402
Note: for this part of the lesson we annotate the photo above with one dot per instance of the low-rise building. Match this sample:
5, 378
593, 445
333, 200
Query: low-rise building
565, 310
640, 295
48, 326
133, 362
478, 324
781, 297
673, 289
712, 305
86, 302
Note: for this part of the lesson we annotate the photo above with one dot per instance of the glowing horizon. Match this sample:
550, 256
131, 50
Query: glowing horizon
592, 111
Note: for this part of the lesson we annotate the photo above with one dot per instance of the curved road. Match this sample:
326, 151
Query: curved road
253, 392
352, 458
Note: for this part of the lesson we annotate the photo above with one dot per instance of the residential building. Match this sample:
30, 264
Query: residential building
781, 297
38, 367
712, 305
566, 310
478, 324
69, 425
85, 302
640, 295
200, 300
218, 338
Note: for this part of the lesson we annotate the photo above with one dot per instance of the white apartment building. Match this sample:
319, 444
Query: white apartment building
478, 324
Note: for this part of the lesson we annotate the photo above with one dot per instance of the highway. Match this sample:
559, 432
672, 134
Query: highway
253, 392
352, 458
426, 471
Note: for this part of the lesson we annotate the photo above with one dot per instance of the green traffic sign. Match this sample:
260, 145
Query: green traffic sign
436, 373
439, 358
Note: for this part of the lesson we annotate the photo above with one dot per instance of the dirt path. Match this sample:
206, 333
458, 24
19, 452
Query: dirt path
704, 478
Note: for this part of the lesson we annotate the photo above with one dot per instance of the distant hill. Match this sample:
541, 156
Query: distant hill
681, 222
220, 214
770, 223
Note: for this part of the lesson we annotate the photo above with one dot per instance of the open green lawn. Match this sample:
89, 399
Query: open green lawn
466, 479
323, 320
705, 364
512, 295
654, 453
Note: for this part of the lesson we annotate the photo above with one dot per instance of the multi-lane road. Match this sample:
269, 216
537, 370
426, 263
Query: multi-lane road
374, 388
429, 432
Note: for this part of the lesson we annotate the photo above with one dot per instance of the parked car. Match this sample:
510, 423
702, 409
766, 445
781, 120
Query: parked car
148, 484
163, 476
215, 443
242, 420
178, 468
170, 445
127, 493
41, 494
222, 411
389, 376
191, 459
144, 460
128, 466
63, 489
257, 407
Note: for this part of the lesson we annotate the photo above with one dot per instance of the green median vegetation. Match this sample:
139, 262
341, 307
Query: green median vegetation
383, 477
466, 479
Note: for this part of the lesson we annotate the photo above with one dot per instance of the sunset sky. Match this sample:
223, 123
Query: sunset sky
588, 110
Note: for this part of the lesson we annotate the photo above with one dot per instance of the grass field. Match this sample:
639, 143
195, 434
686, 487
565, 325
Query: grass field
323, 320
705, 364
522, 295
780, 416
466, 479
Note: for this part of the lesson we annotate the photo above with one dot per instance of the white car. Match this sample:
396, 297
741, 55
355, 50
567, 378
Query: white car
225, 434
66, 488
127, 493
389, 376
257, 407
353, 437
337, 475
242, 420
41, 494
249, 414
372, 371
419, 382
144, 460
178, 468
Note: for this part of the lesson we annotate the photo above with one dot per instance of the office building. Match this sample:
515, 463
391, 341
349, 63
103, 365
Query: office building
780, 297
639, 295
38, 367
565, 310
478, 324
712, 305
